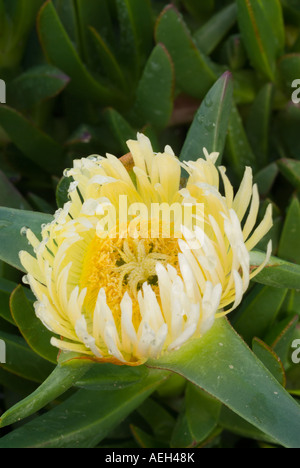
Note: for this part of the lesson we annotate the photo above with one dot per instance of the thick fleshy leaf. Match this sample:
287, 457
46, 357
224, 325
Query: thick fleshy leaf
17, 20
189, 62
258, 311
120, 130
238, 150
155, 91
146, 440
293, 376
31, 141
36, 85
67, 12
22, 361
209, 128
22, 15
258, 124
58, 382
265, 179
245, 86
61, 52
10, 196
198, 419
289, 69
270, 359
277, 273
62, 191
232, 422
158, 418
97, 413
106, 58
261, 25
233, 53
34, 332
6, 288
222, 364
281, 336
136, 27
11, 240
94, 15
291, 170
199, 9
108, 377
289, 247
213, 31
286, 130
174, 387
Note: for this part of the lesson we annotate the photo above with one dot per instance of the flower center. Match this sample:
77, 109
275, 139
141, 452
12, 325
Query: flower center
121, 265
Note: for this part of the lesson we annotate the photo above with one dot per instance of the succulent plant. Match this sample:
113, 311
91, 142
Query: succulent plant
83, 77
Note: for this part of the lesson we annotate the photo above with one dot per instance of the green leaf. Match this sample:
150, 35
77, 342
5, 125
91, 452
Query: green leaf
262, 28
238, 150
36, 85
287, 131
289, 247
61, 52
258, 311
145, 440
291, 170
245, 86
209, 128
198, 419
97, 413
289, 70
6, 288
265, 179
67, 12
22, 361
120, 129
222, 364
189, 62
281, 336
199, 9
10, 196
136, 26
173, 388
158, 418
106, 376
23, 15
293, 378
94, 15
233, 53
277, 273
11, 240
208, 37
34, 144
156, 88
270, 360
34, 332
62, 191
107, 60
232, 422
258, 124
58, 382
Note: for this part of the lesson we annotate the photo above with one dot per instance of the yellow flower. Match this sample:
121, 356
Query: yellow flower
126, 298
